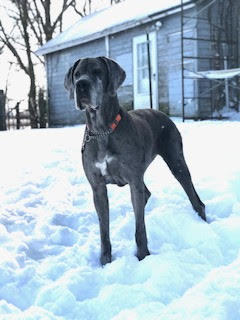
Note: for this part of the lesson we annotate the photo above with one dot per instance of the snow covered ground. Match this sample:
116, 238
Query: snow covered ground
49, 239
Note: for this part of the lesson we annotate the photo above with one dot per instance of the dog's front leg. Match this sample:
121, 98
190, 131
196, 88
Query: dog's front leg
139, 200
102, 207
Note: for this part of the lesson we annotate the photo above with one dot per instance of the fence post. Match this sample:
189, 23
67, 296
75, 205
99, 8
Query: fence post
2, 112
18, 115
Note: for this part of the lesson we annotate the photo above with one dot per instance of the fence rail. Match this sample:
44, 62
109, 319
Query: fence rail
12, 118
17, 119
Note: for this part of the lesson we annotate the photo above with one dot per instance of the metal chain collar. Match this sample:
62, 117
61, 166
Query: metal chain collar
91, 135
94, 135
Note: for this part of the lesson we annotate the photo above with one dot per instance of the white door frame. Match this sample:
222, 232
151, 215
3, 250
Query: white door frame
141, 95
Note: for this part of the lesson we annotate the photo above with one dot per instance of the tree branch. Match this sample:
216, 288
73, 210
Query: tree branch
65, 6
6, 40
36, 27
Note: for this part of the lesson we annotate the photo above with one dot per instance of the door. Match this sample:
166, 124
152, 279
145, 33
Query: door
141, 81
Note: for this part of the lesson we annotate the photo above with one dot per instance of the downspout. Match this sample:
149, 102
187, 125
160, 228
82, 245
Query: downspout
149, 71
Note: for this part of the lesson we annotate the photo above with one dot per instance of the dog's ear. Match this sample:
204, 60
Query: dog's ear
116, 75
68, 80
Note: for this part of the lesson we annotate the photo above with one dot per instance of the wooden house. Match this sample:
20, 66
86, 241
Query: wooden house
182, 41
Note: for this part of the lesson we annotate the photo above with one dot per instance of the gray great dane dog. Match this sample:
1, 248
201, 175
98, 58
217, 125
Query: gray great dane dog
118, 146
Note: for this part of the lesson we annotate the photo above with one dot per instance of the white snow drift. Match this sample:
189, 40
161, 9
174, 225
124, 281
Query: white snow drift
49, 237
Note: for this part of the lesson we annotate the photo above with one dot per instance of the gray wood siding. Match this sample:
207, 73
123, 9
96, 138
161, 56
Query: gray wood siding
170, 64
205, 49
120, 49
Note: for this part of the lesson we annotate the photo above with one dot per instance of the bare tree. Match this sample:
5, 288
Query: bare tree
32, 24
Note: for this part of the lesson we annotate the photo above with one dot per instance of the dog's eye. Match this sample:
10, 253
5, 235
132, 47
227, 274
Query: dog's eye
77, 74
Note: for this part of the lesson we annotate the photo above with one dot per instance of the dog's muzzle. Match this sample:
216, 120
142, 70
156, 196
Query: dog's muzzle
83, 100
82, 94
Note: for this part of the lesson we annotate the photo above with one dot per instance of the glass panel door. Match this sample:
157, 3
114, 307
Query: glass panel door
141, 71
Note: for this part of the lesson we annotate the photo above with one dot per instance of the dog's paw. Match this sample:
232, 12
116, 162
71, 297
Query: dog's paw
105, 258
141, 254
202, 213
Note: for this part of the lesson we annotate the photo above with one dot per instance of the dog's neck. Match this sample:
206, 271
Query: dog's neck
100, 119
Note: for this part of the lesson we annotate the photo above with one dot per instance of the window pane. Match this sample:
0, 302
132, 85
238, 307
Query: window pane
142, 68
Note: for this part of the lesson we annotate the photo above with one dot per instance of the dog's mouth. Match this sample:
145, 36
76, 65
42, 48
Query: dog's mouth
84, 103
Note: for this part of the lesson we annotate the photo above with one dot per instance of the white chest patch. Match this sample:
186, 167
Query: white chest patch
103, 164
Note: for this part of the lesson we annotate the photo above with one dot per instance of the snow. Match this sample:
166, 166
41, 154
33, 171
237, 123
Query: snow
127, 13
49, 236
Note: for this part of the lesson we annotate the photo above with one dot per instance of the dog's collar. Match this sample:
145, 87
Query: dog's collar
110, 129
90, 135
115, 122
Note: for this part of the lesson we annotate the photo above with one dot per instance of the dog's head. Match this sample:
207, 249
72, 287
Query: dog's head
89, 80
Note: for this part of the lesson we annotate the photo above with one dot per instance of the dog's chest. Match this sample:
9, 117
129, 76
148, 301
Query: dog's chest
104, 163
110, 169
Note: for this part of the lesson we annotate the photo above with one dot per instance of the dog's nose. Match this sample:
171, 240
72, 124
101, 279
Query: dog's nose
83, 85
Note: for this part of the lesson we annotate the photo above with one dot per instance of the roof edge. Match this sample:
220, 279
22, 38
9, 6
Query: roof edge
115, 29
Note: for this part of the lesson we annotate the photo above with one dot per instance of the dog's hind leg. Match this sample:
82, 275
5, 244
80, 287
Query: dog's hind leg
172, 153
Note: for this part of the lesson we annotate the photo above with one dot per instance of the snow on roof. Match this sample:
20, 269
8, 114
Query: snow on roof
109, 20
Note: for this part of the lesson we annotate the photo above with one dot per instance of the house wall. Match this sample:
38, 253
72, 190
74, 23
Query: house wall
170, 65
204, 49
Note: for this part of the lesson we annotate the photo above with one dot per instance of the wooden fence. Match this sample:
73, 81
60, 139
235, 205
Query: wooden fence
16, 119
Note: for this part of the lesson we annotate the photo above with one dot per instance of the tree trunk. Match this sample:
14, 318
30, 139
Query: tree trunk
32, 105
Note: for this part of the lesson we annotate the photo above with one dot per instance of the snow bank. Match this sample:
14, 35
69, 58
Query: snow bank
49, 237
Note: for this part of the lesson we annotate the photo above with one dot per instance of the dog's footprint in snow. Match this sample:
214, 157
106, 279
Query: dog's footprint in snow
70, 221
